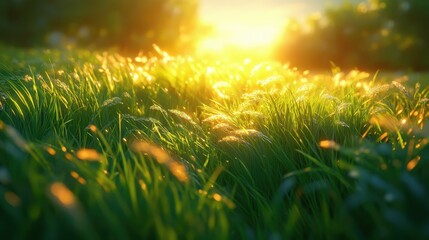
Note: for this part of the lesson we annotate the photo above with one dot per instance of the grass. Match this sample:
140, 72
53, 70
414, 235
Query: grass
95, 145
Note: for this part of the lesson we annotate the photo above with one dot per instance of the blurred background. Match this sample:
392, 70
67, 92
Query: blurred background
311, 34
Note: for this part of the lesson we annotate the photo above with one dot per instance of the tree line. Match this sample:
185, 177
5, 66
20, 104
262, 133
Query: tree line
126, 24
374, 34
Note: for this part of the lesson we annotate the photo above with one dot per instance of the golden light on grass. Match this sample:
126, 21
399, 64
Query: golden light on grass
66, 201
163, 157
92, 128
221, 88
78, 178
386, 121
329, 144
86, 154
158, 153
62, 194
74, 174
413, 163
143, 185
217, 197
12, 199
179, 171
51, 151
68, 156
383, 136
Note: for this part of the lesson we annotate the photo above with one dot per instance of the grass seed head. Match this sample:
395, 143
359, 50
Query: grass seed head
249, 113
158, 108
218, 118
112, 102
222, 127
231, 139
183, 116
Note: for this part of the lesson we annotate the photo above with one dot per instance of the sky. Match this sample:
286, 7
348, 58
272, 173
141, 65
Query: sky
253, 23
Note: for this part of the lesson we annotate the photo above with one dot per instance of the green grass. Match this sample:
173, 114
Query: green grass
95, 146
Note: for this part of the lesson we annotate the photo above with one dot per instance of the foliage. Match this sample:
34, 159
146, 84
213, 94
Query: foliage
129, 25
374, 34
96, 145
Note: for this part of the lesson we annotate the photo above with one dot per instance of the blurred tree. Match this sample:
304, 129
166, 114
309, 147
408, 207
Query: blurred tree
127, 24
388, 34
410, 18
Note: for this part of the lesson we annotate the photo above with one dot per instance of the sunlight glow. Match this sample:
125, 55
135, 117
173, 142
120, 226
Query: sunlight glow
241, 27
249, 27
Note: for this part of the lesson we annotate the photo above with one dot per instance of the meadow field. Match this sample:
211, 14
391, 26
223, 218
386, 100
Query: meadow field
94, 145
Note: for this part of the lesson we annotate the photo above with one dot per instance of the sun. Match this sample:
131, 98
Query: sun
244, 27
